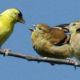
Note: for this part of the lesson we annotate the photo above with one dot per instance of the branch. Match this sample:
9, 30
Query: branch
38, 58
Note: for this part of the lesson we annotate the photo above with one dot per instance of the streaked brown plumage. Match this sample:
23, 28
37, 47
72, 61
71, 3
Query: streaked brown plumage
49, 42
65, 27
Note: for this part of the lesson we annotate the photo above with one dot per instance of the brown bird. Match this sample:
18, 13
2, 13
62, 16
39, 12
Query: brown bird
50, 42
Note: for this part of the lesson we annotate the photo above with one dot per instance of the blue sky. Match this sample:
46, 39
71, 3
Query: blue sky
51, 12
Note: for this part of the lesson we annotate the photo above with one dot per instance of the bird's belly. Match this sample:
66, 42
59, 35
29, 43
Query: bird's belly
40, 47
43, 48
4, 36
75, 44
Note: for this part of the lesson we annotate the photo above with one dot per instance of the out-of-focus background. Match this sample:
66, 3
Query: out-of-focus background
51, 12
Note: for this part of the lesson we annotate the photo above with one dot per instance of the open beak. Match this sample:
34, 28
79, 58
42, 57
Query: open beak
31, 29
34, 25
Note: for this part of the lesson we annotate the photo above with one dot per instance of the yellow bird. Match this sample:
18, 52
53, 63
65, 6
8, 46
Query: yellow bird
49, 42
8, 19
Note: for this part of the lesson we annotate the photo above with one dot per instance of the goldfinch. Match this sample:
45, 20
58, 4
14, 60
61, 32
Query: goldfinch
49, 42
8, 19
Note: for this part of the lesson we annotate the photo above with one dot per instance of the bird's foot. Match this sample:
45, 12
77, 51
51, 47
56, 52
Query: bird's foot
6, 51
74, 61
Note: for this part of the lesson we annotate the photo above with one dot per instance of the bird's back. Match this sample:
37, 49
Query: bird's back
57, 36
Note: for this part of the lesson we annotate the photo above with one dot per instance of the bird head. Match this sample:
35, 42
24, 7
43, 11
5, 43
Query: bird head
41, 28
74, 27
14, 15
39, 31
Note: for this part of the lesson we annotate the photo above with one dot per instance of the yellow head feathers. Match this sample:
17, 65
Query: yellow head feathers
14, 15
8, 19
74, 26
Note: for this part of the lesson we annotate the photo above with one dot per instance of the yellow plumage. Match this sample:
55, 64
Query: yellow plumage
8, 18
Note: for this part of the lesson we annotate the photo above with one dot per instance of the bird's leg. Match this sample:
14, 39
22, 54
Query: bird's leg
6, 51
74, 61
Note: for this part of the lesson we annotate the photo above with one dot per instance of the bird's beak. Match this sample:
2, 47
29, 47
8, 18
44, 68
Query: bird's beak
22, 21
31, 29
34, 25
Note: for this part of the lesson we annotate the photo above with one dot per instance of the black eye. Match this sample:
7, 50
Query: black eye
78, 30
40, 28
20, 14
74, 24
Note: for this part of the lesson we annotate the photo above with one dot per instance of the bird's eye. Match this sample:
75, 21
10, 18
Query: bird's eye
78, 30
73, 24
40, 28
20, 14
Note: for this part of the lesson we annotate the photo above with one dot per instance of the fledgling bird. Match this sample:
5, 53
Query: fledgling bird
8, 19
55, 35
75, 38
49, 42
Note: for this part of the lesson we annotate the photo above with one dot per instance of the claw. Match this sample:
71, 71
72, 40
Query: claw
74, 61
6, 51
